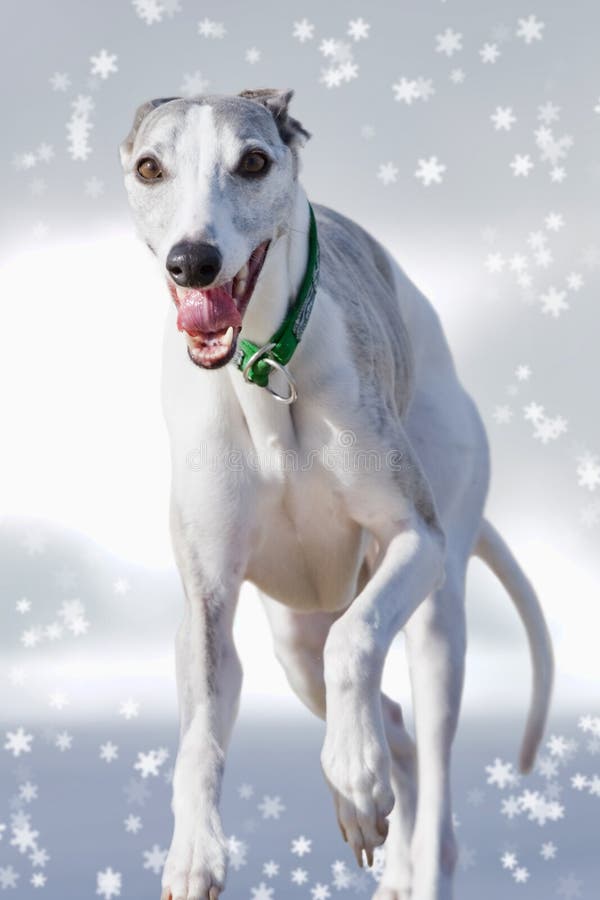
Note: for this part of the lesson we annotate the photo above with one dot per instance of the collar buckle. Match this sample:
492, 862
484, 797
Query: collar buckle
262, 354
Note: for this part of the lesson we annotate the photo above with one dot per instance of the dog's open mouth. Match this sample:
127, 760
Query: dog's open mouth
212, 317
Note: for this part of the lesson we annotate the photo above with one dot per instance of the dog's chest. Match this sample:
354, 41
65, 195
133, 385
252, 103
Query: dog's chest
306, 551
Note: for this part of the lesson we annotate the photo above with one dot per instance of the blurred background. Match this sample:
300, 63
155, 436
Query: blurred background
465, 137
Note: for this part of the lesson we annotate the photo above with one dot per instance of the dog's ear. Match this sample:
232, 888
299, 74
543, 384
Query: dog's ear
291, 131
141, 112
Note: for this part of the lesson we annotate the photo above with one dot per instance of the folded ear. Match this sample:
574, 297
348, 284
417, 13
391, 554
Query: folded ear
141, 112
277, 102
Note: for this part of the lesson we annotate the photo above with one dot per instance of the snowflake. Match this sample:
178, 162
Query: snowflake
18, 742
271, 807
548, 851
149, 763
509, 861
109, 752
104, 64
521, 875
28, 791
503, 414
60, 81
358, 29
129, 709
208, 28
252, 55
155, 859
262, 892
132, 824
430, 171
301, 846
108, 884
58, 700
489, 53
8, 877
501, 774
93, 188
237, 852
588, 471
24, 838
150, 11
521, 165
406, 91
64, 741
511, 807
387, 173
503, 118
38, 879
39, 858
466, 857
449, 42
303, 30
320, 892
457, 76
569, 887
530, 29
271, 869
574, 281
299, 876
23, 605
554, 302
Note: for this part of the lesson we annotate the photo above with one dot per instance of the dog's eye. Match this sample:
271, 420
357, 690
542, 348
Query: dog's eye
149, 169
254, 163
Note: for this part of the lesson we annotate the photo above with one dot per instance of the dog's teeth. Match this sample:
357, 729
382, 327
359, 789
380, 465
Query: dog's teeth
239, 288
228, 336
242, 275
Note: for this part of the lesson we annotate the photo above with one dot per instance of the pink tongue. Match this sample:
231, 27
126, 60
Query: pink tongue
202, 311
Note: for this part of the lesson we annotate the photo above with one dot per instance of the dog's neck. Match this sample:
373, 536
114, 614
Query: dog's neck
281, 276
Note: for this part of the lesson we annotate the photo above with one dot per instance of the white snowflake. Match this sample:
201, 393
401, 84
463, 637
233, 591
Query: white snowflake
237, 851
271, 807
301, 846
150, 11
129, 709
299, 876
60, 81
501, 774
358, 29
262, 892
449, 42
210, 29
548, 851
387, 173
104, 64
64, 741
503, 118
588, 471
108, 884
303, 30
132, 824
521, 165
18, 742
8, 877
155, 859
530, 29
569, 887
489, 53
430, 171
554, 302
252, 55
109, 752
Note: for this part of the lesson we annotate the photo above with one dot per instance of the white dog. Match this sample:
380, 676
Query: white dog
353, 504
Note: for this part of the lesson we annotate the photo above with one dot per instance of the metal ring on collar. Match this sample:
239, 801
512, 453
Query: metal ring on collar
261, 354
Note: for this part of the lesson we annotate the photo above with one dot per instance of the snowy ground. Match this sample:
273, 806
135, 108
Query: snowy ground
104, 820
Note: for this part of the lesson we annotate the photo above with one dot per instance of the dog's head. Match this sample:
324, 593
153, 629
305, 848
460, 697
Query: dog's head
211, 182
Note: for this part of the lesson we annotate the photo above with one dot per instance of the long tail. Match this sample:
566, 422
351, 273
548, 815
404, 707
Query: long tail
492, 549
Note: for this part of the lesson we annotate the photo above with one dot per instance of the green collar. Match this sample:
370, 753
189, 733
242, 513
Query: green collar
257, 362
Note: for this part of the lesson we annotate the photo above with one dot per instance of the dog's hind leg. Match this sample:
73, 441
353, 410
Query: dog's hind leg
299, 639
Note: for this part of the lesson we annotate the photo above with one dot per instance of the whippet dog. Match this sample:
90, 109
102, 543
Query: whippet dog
323, 449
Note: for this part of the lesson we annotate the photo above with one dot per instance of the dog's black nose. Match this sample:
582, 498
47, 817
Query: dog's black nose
194, 265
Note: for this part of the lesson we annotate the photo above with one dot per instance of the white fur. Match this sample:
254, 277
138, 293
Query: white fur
350, 556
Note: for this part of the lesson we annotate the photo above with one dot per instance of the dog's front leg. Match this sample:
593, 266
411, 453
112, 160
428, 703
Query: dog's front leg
355, 755
209, 680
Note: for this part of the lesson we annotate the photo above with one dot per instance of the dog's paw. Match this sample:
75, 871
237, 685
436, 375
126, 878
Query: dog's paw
196, 865
357, 769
